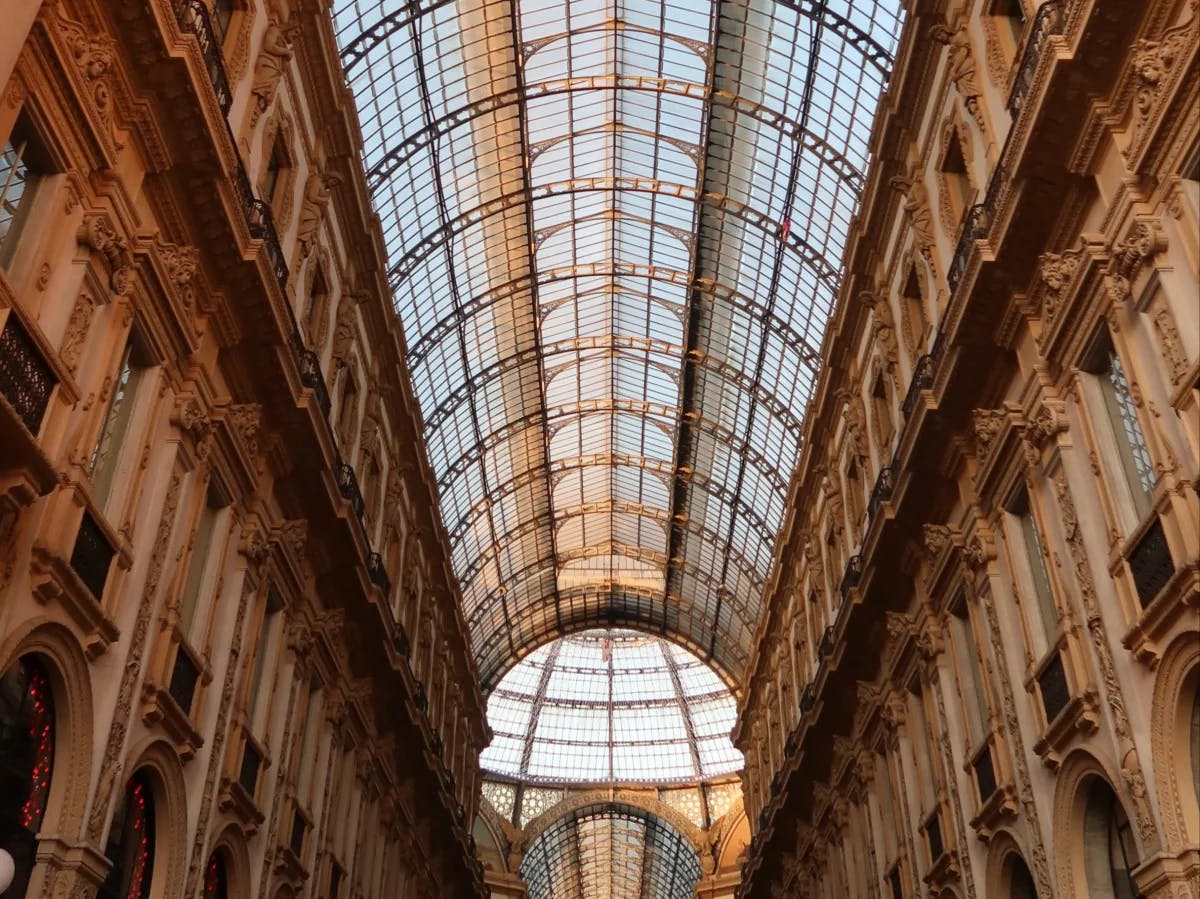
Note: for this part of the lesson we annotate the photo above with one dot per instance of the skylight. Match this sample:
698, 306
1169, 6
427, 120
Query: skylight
615, 231
611, 706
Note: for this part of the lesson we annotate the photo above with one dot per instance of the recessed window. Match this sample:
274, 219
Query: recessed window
1125, 429
956, 182
117, 416
1031, 563
23, 165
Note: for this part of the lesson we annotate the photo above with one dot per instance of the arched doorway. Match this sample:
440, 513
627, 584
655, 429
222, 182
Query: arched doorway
26, 764
1110, 849
216, 877
131, 843
1020, 881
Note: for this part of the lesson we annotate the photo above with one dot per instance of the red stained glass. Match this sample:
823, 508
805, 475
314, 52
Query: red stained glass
138, 799
214, 878
40, 712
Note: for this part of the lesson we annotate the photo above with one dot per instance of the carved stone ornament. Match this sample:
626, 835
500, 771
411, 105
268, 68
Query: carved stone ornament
344, 329
935, 537
246, 419
883, 327
978, 552
76, 333
1155, 63
987, 424
1055, 270
1144, 241
317, 194
273, 58
93, 55
916, 205
899, 625
97, 234
254, 544
182, 264
1046, 424
1169, 343
293, 534
961, 67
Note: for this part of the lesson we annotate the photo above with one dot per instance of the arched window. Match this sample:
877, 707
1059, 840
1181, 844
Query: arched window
1020, 881
1194, 738
1110, 853
131, 843
216, 881
26, 764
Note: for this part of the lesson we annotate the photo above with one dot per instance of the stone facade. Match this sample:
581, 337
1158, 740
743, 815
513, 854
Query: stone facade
982, 654
217, 537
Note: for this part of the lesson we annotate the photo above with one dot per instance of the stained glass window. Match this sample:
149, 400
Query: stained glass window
26, 762
131, 843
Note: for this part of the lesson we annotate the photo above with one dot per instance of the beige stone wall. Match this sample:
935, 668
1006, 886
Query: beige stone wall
245, 507
986, 611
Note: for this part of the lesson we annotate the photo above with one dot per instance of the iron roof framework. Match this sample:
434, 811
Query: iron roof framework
611, 706
615, 230
610, 851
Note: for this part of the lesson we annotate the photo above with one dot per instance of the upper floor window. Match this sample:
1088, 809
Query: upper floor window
1120, 409
914, 310
272, 175
1010, 16
222, 17
117, 416
23, 165
270, 633
970, 675
955, 180
198, 566
1033, 577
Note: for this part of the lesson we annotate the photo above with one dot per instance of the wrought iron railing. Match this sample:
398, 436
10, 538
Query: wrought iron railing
25, 379
922, 379
194, 17
348, 486
310, 372
1151, 564
882, 492
825, 649
1046, 22
851, 577
378, 573
92, 556
807, 697
975, 224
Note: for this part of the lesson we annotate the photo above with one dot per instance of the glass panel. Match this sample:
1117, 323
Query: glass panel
615, 232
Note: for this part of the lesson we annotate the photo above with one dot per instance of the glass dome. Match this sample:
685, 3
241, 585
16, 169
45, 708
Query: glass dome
611, 706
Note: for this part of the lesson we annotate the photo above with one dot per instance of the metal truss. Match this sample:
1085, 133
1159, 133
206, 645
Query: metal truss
825, 271
401, 153
482, 302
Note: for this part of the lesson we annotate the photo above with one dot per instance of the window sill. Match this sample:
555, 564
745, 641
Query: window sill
1080, 715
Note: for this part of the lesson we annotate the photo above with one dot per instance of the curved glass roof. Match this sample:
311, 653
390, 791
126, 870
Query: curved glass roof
611, 851
611, 706
615, 231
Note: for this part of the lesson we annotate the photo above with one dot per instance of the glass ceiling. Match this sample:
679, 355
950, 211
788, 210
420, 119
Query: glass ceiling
615, 231
611, 851
611, 706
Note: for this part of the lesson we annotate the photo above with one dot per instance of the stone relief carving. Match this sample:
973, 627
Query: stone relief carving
317, 193
181, 264
97, 234
916, 205
77, 328
273, 58
961, 68
987, 424
1156, 65
246, 419
1055, 271
1144, 241
1169, 343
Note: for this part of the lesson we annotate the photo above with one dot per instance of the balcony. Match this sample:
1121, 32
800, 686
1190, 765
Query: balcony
882, 492
194, 19
26, 381
851, 577
348, 486
1048, 21
922, 379
310, 372
378, 573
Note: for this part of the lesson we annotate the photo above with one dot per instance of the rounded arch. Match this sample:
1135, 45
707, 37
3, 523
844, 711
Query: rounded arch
1176, 702
230, 847
1008, 875
574, 802
62, 658
159, 764
1086, 805
734, 838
